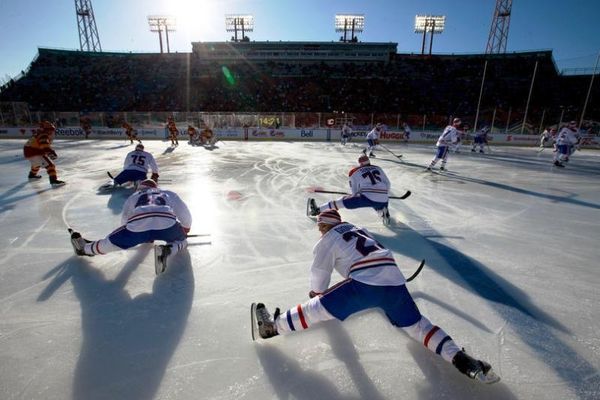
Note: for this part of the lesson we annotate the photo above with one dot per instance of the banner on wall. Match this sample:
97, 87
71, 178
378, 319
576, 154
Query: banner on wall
306, 134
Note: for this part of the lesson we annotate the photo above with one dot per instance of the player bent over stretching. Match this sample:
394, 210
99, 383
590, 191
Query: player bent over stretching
148, 214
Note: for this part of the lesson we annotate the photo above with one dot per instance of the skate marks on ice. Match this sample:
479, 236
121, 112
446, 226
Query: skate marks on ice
534, 327
127, 342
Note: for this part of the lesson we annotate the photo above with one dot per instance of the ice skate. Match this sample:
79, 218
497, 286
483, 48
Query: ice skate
558, 164
474, 369
161, 254
312, 210
262, 322
385, 216
79, 243
56, 182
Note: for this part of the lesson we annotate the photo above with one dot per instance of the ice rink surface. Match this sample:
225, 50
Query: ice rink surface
511, 246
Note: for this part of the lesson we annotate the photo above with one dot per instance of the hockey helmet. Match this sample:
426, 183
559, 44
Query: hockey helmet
329, 217
456, 121
47, 126
364, 160
147, 184
139, 147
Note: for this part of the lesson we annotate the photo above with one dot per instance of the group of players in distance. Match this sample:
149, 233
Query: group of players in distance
372, 278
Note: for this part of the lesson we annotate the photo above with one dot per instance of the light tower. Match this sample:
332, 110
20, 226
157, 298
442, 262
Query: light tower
349, 22
235, 23
160, 23
86, 24
432, 23
499, 29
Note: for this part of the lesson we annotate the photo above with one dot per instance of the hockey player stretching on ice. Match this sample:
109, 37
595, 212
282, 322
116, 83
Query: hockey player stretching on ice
149, 214
370, 188
136, 166
447, 138
372, 279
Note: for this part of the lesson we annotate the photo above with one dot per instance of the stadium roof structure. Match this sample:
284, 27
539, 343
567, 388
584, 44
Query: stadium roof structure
296, 51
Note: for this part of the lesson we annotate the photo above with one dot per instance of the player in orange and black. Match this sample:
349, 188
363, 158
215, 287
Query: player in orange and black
38, 150
86, 125
193, 133
173, 132
130, 132
206, 136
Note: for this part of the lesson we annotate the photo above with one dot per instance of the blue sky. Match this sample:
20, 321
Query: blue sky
570, 29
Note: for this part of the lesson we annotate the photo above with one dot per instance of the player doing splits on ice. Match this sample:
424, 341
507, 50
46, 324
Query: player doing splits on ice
371, 279
370, 188
149, 214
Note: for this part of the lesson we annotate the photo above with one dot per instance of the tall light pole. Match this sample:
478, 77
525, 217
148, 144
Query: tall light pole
349, 22
235, 23
162, 23
429, 23
587, 97
86, 23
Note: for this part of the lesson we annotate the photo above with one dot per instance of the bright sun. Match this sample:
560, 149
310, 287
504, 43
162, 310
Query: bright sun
196, 17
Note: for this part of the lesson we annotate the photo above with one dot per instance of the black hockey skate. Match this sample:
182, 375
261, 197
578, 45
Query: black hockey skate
261, 321
56, 182
385, 216
33, 176
161, 254
312, 210
474, 369
79, 243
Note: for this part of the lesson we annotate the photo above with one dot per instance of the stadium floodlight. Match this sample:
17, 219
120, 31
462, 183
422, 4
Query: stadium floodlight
162, 23
429, 23
352, 22
235, 23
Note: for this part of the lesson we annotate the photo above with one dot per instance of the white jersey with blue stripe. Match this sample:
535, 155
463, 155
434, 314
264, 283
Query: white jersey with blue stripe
140, 160
448, 137
355, 254
154, 209
371, 182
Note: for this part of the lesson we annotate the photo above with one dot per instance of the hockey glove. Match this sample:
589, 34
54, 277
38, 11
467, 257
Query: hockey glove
52, 155
154, 177
312, 294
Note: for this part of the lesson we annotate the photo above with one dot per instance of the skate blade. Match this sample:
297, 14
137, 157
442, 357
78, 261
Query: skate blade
159, 267
253, 324
312, 217
490, 378
107, 187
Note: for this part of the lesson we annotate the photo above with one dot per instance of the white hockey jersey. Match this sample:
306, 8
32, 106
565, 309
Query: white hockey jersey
448, 137
373, 134
353, 253
153, 209
568, 136
370, 181
141, 161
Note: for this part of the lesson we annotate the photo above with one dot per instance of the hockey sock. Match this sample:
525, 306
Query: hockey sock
303, 316
434, 338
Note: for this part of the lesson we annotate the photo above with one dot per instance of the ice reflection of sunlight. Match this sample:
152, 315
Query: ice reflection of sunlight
202, 202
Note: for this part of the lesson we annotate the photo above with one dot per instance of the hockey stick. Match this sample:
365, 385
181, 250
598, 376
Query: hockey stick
198, 235
404, 196
389, 151
413, 276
